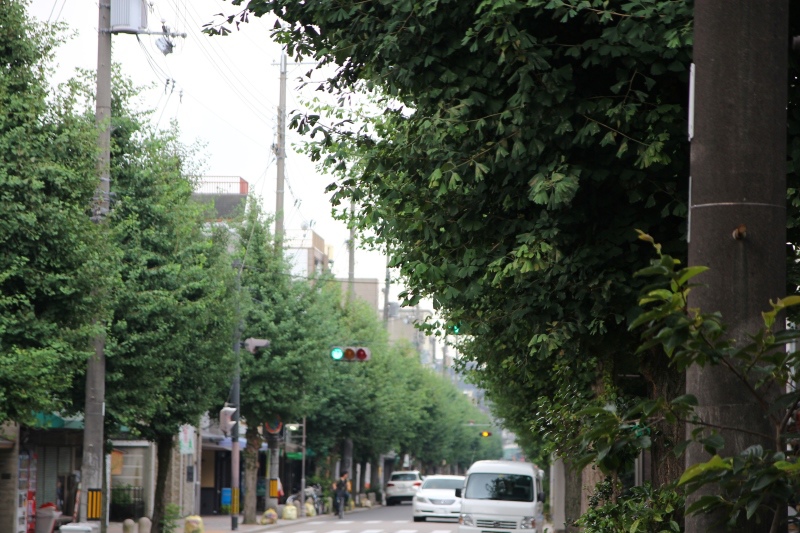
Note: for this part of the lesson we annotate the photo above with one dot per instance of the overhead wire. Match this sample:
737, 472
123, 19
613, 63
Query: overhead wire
63, 3
254, 98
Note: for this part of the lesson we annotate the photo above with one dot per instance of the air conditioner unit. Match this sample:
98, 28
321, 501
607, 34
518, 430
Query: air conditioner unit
128, 16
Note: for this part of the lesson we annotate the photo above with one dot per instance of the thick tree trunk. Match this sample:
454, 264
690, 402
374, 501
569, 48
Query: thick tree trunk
164, 445
572, 497
250, 456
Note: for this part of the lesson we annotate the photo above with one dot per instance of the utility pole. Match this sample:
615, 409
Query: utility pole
94, 410
386, 297
737, 212
351, 259
235, 398
280, 155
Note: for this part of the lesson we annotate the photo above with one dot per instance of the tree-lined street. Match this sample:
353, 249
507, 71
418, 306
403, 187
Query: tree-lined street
599, 199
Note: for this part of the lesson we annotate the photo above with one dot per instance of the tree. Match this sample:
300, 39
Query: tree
299, 318
516, 147
52, 258
169, 357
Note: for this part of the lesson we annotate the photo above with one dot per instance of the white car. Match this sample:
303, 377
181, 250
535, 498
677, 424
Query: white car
402, 486
436, 498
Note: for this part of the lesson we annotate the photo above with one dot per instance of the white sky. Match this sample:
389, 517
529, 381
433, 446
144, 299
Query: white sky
226, 92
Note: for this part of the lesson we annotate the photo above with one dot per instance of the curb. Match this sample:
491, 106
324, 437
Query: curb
282, 522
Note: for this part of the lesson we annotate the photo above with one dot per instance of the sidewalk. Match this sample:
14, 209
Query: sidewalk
222, 523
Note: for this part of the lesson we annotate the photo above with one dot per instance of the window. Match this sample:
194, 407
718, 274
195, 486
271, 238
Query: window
508, 487
443, 484
405, 477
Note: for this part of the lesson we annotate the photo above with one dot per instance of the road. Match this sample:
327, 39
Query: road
395, 519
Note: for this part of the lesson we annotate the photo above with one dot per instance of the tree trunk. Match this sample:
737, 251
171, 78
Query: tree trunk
250, 456
164, 445
274, 469
572, 496
665, 382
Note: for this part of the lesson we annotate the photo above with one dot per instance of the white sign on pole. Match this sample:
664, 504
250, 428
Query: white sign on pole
187, 440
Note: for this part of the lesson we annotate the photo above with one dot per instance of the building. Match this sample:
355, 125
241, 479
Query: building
307, 253
226, 196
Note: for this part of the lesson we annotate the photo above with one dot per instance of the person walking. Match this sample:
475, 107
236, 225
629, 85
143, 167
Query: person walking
341, 494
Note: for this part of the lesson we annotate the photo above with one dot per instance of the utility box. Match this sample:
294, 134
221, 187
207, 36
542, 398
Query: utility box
128, 16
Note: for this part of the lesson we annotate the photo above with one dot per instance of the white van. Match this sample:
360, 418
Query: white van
501, 497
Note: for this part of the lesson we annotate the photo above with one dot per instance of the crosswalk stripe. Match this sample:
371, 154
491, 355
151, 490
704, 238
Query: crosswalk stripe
373, 521
338, 531
402, 522
442, 531
317, 522
372, 531
406, 531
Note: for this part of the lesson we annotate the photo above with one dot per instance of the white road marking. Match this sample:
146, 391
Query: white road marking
338, 531
373, 521
442, 531
406, 531
372, 531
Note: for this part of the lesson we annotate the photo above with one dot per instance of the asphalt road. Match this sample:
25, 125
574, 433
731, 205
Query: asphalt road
394, 519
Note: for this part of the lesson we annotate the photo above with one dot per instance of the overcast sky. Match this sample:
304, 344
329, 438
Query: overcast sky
224, 92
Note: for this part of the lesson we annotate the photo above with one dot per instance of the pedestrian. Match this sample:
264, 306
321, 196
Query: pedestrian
341, 492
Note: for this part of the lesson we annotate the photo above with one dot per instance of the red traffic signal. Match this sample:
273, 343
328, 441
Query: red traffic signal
351, 353
486, 433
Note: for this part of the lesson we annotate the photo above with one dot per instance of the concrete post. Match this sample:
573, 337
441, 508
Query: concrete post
737, 212
145, 525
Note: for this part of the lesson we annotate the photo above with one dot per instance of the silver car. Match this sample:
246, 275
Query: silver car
402, 486
436, 498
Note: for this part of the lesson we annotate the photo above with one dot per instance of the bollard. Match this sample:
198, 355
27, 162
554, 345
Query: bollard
193, 524
128, 525
145, 525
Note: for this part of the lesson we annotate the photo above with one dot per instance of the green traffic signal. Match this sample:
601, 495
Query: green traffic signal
337, 354
455, 329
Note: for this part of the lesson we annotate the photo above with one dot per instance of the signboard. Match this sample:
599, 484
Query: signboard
187, 440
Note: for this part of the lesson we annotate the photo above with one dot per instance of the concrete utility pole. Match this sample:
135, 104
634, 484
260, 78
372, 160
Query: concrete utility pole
737, 223
280, 154
386, 297
235, 399
351, 256
94, 410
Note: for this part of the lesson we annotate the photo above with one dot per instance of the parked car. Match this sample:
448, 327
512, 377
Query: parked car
402, 486
436, 498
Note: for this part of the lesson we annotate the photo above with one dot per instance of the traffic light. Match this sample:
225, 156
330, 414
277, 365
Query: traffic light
486, 433
350, 353
226, 421
456, 328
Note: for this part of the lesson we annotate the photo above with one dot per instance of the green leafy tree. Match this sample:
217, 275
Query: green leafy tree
52, 258
299, 319
515, 148
169, 341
